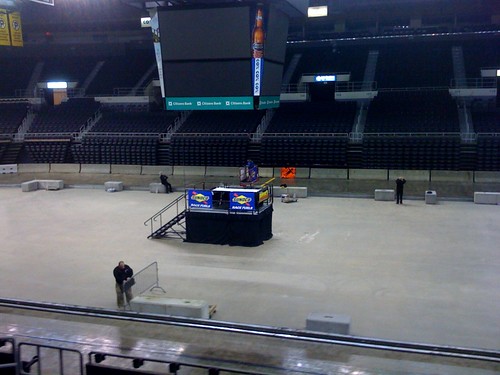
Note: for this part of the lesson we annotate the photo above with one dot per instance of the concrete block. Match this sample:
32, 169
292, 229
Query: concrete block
430, 197
170, 306
452, 176
328, 323
384, 194
223, 171
8, 168
298, 191
340, 174
125, 169
157, 187
29, 186
486, 176
116, 185
51, 184
368, 174
189, 171
96, 168
65, 168
409, 175
33, 168
156, 169
486, 197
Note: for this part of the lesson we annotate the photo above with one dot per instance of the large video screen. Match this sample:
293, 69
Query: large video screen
224, 57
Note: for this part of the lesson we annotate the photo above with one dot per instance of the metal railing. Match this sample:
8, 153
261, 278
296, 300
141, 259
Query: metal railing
180, 205
432, 350
356, 86
37, 360
145, 280
474, 83
294, 88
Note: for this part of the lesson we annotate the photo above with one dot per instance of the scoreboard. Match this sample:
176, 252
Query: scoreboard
222, 57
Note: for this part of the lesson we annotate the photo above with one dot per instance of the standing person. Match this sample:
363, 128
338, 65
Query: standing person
400, 182
122, 273
164, 181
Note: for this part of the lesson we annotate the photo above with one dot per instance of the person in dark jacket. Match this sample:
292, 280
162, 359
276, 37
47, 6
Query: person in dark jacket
400, 182
123, 273
164, 181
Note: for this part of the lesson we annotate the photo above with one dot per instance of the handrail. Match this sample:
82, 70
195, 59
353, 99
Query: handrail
157, 215
261, 330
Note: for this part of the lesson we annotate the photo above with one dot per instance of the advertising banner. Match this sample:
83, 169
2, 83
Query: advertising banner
155, 29
241, 201
209, 103
200, 198
16, 30
4, 28
266, 102
258, 41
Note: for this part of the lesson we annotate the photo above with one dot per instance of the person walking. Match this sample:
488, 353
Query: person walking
122, 274
400, 182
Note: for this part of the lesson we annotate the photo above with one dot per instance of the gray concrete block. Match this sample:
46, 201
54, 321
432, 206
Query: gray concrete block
51, 184
329, 323
157, 187
340, 174
8, 168
170, 306
116, 185
29, 186
430, 197
384, 194
125, 169
486, 197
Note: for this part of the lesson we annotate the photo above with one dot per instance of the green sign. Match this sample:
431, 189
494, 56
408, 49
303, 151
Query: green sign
269, 102
208, 103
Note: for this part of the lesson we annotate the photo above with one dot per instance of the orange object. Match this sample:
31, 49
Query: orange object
288, 172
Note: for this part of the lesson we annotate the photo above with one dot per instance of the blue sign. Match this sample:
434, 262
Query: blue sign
241, 201
200, 198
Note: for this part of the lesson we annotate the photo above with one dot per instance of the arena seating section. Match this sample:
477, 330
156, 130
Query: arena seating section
412, 123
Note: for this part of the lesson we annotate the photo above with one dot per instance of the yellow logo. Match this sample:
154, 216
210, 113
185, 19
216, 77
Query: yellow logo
200, 198
241, 199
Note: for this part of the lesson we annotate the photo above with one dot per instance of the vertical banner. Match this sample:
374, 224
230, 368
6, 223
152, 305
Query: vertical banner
4, 28
16, 30
258, 39
155, 29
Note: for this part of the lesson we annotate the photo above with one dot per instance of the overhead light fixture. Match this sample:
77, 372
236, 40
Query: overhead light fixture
319, 11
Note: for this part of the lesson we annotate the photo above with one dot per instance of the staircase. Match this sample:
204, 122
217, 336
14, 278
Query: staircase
11, 154
175, 227
370, 69
468, 157
459, 74
254, 153
355, 155
164, 154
